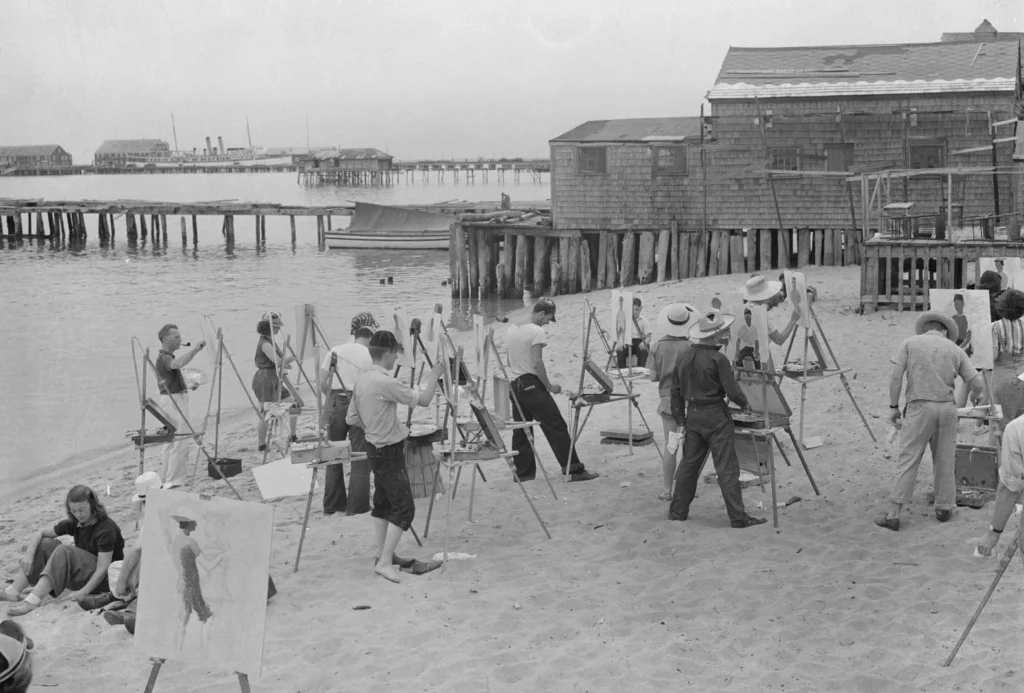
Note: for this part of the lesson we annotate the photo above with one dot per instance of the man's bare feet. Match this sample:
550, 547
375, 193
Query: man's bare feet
388, 572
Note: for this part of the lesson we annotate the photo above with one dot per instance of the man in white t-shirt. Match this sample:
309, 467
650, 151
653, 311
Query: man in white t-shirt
350, 361
532, 388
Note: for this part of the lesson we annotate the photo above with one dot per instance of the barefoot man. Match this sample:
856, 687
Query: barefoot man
374, 408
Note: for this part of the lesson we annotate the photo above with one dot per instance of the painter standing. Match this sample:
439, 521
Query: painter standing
531, 396
374, 408
174, 400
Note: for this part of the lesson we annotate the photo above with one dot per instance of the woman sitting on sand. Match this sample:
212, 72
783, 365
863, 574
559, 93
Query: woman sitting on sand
266, 383
52, 566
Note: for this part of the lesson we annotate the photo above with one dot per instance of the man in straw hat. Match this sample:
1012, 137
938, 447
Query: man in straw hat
761, 291
701, 381
931, 360
374, 408
674, 323
174, 401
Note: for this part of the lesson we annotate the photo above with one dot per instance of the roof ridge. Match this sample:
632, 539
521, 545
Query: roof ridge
943, 44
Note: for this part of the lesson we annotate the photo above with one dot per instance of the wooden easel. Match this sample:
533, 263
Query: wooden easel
243, 679
463, 449
579, 401
827, 370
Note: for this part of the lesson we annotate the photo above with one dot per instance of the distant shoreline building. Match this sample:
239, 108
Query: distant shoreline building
34, 156
344, 160
115, 153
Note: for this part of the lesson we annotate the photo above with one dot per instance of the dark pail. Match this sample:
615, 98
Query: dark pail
229, 466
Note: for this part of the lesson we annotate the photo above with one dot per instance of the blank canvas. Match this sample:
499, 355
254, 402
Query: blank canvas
203, 581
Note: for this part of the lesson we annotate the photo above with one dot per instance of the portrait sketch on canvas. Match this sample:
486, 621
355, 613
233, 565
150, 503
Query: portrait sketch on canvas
1009, 269
796, 296
480, 332
203, 585
750, 339
970, 312
622, 317
400, 327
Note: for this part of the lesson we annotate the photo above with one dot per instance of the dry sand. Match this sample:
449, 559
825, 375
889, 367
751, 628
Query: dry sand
620, 598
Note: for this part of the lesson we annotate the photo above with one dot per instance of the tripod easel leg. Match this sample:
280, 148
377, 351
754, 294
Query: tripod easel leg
153, 674
1004, 562
433, 494
803, 460
305, 520
842, 376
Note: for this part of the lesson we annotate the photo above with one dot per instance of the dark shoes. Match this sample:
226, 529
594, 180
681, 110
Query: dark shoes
943, 515
121, 618
750, 521
96, 601
262, 448
583, 476
525, 477
892, 523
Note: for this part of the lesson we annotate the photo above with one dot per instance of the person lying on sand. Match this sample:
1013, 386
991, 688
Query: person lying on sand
51, 566
374, 408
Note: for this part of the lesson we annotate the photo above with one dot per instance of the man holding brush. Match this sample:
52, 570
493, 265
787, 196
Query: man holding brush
174, 401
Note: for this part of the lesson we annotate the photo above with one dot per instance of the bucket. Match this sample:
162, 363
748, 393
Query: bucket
229, 467
420, 463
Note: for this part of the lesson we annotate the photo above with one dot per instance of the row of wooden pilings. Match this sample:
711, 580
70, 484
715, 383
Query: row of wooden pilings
507, 261
69, 228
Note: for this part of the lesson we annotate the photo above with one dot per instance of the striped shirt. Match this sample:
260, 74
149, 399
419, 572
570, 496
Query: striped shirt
1008, 336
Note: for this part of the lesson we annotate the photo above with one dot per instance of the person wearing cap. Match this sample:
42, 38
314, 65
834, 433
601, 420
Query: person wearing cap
374, 408
931, 361
641, 338
674, 323
16, 651
531, 389
266, 382
51, 566
174, 401
701, 381
761, 291
349, 361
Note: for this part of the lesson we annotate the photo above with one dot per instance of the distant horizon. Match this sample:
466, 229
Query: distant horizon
439, 79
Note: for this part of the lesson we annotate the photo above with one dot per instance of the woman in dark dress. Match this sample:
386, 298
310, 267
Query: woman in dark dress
266, 383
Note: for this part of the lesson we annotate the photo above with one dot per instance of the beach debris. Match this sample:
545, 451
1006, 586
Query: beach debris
439, 556
361, 607
598, 526
517, 606
474, 592
624, 484
791, 501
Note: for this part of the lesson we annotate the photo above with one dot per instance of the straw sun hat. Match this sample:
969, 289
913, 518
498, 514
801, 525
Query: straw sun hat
711, 324
145, 482
934, 316
674, 320
757, 288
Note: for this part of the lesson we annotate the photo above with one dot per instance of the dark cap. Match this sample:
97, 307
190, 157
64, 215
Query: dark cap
383, 339
545, 305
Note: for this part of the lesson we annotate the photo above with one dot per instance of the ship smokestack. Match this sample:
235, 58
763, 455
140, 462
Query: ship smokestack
220, 143
209, 147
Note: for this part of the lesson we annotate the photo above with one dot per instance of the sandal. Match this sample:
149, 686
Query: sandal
667, 495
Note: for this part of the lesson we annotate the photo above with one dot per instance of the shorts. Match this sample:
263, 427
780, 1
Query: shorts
392, 495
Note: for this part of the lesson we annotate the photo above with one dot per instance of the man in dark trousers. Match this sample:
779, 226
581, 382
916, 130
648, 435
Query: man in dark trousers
533, 389
701, 381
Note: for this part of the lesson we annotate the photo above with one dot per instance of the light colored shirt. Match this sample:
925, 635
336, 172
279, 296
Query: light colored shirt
1011, 465
353, 360
374, 406
645, 327
665, 355
932, 363
520, 340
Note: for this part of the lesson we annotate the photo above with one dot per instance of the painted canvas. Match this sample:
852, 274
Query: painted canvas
1009, 269
718, 301
796, 296
970, 312
622, 317
750, 343
203, 586
400, 327
480, 350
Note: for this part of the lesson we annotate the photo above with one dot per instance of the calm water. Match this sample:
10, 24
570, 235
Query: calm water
67, 319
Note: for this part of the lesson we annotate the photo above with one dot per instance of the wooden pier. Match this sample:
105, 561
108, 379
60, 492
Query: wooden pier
66, 223
489, 257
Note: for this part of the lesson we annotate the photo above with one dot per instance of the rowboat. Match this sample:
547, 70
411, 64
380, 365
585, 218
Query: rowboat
380, 227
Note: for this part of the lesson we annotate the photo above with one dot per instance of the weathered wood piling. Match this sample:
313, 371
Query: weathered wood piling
541, 260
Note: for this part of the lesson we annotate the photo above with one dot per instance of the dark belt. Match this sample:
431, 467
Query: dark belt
706, 403
390, 445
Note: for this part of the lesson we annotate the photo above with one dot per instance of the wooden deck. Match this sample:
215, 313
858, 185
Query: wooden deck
897, 273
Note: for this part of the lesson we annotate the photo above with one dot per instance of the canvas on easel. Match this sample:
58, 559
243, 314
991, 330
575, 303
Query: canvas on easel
622, 317
400, 328
203, 583
796, 296
969, 309
750, 346
1009, 269
481, 334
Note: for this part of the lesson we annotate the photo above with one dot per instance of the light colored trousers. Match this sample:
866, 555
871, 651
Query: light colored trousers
931, 424
175, 455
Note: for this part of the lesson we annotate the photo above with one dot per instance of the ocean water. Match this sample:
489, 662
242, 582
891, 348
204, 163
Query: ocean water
69, 320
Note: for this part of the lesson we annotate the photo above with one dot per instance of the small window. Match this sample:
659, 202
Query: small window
838, 157
785, 159
927, 156
669, 161
592, 160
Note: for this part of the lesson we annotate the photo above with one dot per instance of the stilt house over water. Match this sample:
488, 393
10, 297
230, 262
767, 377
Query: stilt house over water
34, 156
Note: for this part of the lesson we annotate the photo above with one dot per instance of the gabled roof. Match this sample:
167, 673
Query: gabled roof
30, 150
129, 146
634, 130
351, 154
984, 32
923, 68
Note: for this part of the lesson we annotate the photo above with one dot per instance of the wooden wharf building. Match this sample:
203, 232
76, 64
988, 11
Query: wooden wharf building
34, 157
805, 155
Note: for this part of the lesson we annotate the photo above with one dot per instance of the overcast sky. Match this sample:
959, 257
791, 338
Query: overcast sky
420, 78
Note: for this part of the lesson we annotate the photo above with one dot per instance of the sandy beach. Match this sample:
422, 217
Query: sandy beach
619, 598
